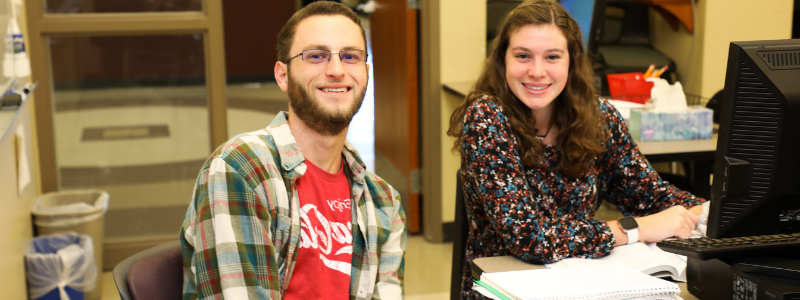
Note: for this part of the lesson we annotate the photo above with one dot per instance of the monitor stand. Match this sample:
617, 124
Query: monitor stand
745, 278
769, 265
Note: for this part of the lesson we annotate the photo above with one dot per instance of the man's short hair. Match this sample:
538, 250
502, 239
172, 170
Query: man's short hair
286, 35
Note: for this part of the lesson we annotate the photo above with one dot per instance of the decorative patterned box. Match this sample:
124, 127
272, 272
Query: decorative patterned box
695, 123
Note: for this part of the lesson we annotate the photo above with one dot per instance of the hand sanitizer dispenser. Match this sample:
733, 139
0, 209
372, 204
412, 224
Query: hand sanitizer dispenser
15, 63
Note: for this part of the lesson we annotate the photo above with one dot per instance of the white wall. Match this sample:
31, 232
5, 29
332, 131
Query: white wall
719, 22
463, 49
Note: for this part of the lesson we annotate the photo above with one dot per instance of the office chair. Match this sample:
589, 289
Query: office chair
715, 105
459, 240
625, 43
153, 274
496, 10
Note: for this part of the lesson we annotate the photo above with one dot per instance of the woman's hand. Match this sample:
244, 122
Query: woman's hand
697, 210
676, 221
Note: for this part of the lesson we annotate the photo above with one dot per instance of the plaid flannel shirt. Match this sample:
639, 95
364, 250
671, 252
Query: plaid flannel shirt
242, 230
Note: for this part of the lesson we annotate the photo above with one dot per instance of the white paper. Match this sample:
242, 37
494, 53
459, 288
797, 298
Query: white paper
614, 281
646, 258
702, 221
23, 170
624, 107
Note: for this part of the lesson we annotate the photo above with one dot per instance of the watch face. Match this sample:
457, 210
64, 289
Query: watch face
628, 223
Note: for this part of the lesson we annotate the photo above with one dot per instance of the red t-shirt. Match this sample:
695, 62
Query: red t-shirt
322, 270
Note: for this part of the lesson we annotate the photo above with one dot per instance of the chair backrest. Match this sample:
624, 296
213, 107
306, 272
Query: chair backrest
626, 22
496, 10
625, 43
459, 240
153, 274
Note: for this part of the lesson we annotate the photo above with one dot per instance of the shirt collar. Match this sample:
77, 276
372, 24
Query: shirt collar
292, 158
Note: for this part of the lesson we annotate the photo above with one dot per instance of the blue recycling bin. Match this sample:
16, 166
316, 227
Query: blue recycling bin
60, 266
55, 294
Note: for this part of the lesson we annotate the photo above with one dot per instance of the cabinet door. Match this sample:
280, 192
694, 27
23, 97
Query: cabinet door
395, 42
131, 100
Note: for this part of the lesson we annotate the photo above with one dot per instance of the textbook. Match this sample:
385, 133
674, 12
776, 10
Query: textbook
646, 258
600, 282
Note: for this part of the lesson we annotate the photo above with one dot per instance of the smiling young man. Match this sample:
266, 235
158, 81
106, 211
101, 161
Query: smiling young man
290, 211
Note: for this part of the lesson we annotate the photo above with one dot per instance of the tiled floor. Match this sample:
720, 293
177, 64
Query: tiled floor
427, 272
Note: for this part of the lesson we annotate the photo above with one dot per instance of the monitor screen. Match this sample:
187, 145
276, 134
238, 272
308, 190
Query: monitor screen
588, 14
756, 188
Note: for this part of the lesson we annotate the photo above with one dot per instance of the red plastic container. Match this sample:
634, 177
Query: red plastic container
629, 87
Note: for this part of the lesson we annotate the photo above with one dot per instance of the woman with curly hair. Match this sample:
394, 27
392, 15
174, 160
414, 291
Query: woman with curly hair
540, 151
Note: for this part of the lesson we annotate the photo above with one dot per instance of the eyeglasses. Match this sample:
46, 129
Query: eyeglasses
320, 56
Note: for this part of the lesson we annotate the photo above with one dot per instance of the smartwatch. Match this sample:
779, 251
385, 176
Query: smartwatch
631, 228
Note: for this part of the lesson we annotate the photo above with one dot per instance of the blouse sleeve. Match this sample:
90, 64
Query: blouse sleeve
628, 180
494, 176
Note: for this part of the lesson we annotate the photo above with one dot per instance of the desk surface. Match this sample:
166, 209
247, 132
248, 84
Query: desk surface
460, 88
655, 151
510, 263
679, 150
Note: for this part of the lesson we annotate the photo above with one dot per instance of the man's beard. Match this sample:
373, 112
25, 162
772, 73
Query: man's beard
315, 116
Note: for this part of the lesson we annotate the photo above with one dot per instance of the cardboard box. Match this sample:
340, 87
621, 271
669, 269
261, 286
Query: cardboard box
695, 123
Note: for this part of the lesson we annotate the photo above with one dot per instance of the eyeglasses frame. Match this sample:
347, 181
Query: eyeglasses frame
366, 55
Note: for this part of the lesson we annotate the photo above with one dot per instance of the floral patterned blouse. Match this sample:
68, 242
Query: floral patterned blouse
538, 215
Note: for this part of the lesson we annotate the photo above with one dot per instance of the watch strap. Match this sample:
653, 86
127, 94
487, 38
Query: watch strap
630, 227
633, 235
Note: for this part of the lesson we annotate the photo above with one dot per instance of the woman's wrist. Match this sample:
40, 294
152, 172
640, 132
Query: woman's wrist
620, 237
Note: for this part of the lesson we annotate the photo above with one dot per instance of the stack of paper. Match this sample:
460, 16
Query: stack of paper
614, 281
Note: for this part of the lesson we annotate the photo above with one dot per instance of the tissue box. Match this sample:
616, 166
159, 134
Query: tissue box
694, 123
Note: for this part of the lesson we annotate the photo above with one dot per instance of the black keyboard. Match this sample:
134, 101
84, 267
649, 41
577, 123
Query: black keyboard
710, 248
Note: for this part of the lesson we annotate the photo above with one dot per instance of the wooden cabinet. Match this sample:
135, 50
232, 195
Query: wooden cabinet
675, 12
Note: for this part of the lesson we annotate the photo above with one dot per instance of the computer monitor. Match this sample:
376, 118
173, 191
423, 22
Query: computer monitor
756, 188
590, 15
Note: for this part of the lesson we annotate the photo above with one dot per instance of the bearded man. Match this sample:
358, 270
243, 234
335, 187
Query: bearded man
290, 211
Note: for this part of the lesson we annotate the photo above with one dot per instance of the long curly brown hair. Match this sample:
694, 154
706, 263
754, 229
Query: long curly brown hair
581, 134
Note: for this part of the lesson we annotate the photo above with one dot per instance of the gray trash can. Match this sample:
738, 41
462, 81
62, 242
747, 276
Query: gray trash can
81, 211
